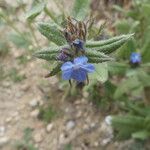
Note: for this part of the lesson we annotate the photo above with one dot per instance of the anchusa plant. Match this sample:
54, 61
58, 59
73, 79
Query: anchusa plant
74, 54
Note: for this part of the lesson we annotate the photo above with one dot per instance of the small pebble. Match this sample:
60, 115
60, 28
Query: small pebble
108, 120
2, 130
35, 113
70, 125
104, 142
8, 120
49, 127
15, 114
38, 137
3, 140
33, 103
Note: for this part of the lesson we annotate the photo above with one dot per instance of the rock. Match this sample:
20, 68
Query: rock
108, 120
18, 95
33, 103
3, 140
38, 137
8, 120
104, 142
70, 125
49, 127
2, 130
35, 113
79, 114
106, 130
86, 127
93, 125
85, 94
15, 114
25, 87
6, 84
96, 144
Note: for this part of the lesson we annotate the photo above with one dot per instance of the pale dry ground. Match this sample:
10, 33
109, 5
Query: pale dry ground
87, 130
15, 112
78, 122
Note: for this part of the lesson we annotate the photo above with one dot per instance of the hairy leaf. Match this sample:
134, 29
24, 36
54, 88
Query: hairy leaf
142, 135
48, 57
80, 9
55, 69
35, 11
101, 72
99, 60
107, 49
92, 44
52, 33
95, 54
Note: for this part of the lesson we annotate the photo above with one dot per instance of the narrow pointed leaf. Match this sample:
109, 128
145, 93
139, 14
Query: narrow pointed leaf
55, 69
81, 8
49, 50
48, 57
101, 72
93, 44
107, 49
96, 54
99, 60
142, 135
52, 33
35, 11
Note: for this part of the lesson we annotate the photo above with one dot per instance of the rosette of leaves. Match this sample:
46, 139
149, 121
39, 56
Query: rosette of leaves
72, 42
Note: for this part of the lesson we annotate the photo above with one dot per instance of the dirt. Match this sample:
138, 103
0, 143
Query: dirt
78, 124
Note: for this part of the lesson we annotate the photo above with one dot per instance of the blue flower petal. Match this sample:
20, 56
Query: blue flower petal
67, 65
135, 57
81, 60
88, 68
79, 75
66, 75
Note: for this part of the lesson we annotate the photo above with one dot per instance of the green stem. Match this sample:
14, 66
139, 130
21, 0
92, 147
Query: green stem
50, 15
31, 29
10, 23
33, 34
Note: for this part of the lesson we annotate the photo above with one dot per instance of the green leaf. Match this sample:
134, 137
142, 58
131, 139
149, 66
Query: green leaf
146, 10
107, 49
92, 44
52, 33
55, 69
95, 54
35, 11
127, 86
126, 125
116, 68
81, 8
128, 122
97, 60
101, 72
142, 135
50, 50
48, 53
19, 40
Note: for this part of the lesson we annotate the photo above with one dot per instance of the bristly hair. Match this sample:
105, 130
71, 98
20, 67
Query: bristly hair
75, 30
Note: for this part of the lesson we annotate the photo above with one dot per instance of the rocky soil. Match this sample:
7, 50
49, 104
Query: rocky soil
78, 125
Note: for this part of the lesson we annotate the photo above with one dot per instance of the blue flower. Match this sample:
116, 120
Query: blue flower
79, 44
135, 58
77, 69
